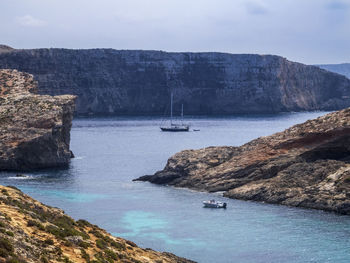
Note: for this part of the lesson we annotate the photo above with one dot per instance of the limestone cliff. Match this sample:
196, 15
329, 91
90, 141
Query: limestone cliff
343, 69
307, 165
109, 81
34, 129
33, 232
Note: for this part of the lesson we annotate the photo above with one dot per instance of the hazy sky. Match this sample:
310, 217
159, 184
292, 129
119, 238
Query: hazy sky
308, 31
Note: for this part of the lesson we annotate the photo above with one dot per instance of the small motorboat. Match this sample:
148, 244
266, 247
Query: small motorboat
214, 204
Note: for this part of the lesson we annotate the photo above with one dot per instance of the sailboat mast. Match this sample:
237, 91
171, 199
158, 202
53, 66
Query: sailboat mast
182, 113
171, 108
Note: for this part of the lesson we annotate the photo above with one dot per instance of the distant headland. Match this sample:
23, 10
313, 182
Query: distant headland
136, 82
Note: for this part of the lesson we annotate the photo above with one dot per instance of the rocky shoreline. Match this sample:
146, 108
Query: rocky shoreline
33, 232
34, 129
307, 165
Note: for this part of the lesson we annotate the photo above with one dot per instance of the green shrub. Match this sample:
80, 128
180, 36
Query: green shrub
96, 233
31, 223
6, 244
83, 244
2, 224
118, 245
59, 251
82, 223
9, 233
109, 254
35, 223
85, 255
64, 232
14, 187
68, 243
65, 227
100, 243
66, 260
99, 256
347, 180
4, 253
49, 241
131, 243
4, 191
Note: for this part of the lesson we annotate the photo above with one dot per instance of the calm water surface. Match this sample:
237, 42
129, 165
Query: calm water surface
110, 152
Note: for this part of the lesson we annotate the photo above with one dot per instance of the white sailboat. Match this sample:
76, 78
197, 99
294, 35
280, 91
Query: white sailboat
175, 127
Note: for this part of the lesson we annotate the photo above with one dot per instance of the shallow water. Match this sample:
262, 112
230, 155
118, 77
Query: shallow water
110, 152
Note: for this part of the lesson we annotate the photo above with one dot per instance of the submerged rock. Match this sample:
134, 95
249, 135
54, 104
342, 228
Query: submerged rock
307, 165
33, 232
34, 129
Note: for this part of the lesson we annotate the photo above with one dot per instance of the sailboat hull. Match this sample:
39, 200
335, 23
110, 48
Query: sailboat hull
175, 129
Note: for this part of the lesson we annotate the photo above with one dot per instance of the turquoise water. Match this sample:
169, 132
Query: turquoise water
110, 152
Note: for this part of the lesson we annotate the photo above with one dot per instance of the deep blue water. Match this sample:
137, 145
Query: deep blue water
110, 152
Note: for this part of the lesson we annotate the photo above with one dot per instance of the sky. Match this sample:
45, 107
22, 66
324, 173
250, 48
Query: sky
306, 31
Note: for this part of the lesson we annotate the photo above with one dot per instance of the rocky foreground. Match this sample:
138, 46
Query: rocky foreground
307, 165
34, 129
33, 232
139, 82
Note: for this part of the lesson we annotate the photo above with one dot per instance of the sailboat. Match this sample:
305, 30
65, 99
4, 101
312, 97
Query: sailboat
175, 127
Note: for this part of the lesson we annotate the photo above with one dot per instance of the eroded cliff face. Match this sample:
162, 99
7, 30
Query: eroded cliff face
34, 129
307, 165
343, 69
109, 81
33, 232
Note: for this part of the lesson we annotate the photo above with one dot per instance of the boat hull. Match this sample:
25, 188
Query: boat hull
175, 129
208, 204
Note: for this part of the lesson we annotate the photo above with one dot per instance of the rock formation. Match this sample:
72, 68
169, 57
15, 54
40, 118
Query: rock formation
33, 232
109, 81
34, 129
343, 69
307, 165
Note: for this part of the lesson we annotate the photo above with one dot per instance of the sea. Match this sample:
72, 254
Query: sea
110, 152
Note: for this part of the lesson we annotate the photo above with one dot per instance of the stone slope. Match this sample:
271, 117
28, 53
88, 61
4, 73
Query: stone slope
109, 81
307, 165
33, 232
34, 129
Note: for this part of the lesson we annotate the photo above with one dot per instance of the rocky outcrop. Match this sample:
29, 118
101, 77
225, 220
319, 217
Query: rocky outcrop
4, 48
33, 232
109, 81
343, 69
307, 165
34, 129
